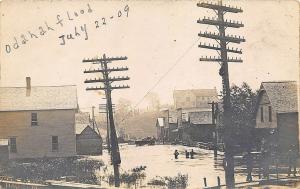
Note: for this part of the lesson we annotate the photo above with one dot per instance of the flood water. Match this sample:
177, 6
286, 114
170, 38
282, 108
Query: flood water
160, 161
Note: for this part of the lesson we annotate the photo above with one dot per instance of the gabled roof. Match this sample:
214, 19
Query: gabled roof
198, 118
282, 95
39, 98
83, 129
160, 122
79, 127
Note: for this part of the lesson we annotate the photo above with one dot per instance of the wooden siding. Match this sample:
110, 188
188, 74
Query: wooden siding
88, 142
36, 141
264, 103
288, 131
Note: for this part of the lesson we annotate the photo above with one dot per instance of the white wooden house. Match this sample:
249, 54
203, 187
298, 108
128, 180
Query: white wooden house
38, 121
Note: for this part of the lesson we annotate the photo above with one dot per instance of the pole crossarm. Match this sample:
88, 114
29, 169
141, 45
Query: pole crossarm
108, 79
105, 88
219, 59
106, 59
105, 106
209, 21
223, 8
239, 51
109, 70
222, 38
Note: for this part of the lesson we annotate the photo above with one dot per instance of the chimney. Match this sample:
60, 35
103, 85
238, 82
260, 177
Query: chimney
28, 86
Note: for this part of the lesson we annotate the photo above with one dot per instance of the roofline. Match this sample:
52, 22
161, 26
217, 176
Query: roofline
98, 134
38, 110
259, 95
262, 89
43, 86
288, 81
194, 89
291, 112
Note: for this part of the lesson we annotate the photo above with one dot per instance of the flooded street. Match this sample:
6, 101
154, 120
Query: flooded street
160, 161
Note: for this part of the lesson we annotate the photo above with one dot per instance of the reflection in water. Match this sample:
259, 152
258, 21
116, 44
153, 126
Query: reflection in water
218, 162
160, 161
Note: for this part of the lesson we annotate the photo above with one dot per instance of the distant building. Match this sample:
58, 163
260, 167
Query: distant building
173, 129
190, 104
200, 126
160, 129
277, 114
38, 121
88, 139
194, 98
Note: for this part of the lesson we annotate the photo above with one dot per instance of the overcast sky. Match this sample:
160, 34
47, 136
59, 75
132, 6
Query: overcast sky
158, 37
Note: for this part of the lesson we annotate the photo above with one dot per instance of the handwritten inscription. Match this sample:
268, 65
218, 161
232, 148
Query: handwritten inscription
60, 20
78, 32
82, 32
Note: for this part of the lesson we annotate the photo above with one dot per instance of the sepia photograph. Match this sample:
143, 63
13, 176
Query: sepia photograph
153, 94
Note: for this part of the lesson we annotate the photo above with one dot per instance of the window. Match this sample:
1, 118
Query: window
54, 143
34, 121
270, 114
13, 144
262, 114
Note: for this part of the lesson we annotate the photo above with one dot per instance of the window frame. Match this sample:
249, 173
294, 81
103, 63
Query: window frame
34, 119
54, 145
262, 114
13, 146
270, 113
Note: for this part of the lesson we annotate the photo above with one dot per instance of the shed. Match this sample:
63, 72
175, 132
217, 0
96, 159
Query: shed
88, 141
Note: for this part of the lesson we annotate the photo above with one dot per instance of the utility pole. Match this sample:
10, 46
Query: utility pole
213, 121
105, 107
223, 59
167, 125
107, 80
93, 117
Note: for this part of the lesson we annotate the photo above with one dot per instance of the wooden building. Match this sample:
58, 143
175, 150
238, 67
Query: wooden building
38, 121
160, 129
277, 115
200, 127
194, 98
88, 139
